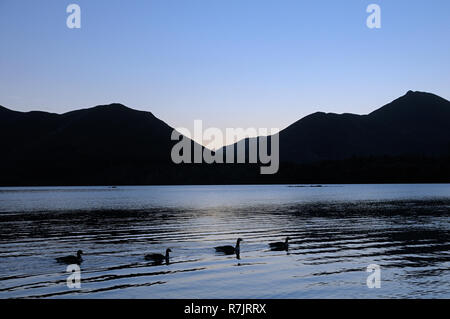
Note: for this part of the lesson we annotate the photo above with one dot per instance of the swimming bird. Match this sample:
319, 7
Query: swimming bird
71, 259
159, 258
280, 245
229, 250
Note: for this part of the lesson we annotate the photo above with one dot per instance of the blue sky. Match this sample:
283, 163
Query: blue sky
231, 63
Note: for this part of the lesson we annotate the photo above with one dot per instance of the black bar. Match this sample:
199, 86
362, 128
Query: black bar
256, 308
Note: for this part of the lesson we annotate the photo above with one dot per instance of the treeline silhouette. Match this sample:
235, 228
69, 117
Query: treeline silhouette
355, 170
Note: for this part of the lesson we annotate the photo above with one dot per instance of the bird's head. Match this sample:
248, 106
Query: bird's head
80, 252
168, 250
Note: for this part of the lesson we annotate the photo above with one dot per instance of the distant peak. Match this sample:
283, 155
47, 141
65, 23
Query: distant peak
412, 102
118, 107
411, 93
113, 105
418, 93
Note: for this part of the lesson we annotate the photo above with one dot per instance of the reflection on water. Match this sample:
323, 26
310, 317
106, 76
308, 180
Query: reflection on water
335, 233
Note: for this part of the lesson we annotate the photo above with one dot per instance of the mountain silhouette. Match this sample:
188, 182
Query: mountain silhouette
404, 141
106, 132
415, 124
100, 145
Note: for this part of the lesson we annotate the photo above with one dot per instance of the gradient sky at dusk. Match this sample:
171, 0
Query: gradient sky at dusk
231, 63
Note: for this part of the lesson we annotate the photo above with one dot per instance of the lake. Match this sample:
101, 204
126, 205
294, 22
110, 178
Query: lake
336, 231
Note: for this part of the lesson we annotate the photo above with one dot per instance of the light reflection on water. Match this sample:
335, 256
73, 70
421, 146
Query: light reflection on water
335, 233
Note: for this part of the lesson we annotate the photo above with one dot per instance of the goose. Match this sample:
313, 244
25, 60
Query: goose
159, 258
71, 259
229, 250
280, 245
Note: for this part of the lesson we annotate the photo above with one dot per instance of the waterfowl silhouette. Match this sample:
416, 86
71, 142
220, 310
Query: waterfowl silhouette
229, 250
159, 258
71, 259
280, 245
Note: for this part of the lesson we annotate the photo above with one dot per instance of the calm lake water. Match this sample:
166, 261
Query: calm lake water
336, 231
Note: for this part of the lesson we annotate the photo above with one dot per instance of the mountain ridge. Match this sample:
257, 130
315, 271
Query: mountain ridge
352, 134
115, 144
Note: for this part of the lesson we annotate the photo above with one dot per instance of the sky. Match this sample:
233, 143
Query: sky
230, 63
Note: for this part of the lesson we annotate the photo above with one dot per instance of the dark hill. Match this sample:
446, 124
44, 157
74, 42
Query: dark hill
106, 144
407, 140
416, 124
107, 132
